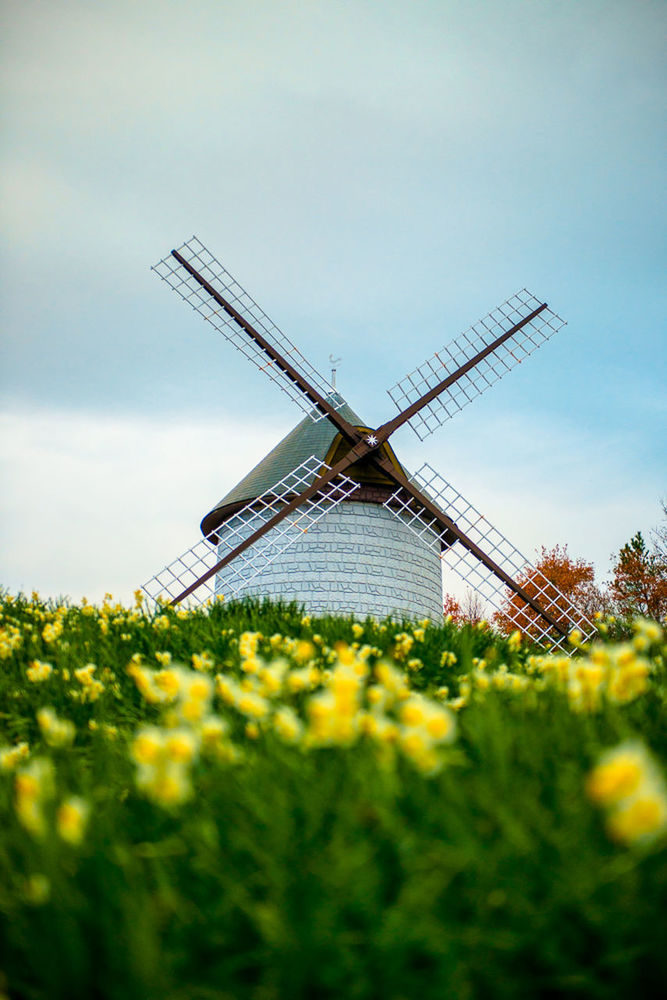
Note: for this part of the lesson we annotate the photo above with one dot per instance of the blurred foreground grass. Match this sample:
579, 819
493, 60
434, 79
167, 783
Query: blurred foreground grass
244, 802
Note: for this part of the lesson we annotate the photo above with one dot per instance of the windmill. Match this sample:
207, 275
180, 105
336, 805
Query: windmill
251, 536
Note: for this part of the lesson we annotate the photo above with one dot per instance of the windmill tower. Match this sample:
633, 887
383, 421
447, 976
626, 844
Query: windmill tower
330, 517
360, 559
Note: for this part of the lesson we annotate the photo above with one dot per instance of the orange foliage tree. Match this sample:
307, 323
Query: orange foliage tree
639, 584
571, 578
469, 612
451, 608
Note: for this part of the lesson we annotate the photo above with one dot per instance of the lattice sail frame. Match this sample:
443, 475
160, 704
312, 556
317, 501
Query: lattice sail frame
494, 544
182, 282
488, 371
203, 556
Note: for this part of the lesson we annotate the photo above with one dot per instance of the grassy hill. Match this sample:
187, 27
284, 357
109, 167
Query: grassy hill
242, 801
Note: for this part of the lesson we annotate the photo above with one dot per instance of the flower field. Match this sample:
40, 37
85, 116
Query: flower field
242, 801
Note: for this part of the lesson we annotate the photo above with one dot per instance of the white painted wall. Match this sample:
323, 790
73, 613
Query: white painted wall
359, 559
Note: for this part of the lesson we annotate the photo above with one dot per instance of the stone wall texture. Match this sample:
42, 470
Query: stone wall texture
359, 559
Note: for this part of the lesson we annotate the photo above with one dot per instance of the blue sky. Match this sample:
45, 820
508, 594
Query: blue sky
379, 176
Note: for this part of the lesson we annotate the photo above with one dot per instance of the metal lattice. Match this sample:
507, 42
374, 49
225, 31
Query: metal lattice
487, 371
181, 281
494, 544
180, 574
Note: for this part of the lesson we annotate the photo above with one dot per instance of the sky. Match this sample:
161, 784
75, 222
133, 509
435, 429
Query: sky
378, 176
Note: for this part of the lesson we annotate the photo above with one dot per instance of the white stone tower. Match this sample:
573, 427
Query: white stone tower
360, 559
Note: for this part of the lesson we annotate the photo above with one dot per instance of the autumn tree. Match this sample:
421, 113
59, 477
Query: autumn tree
639, 584
452, 609
556, 580
468, 611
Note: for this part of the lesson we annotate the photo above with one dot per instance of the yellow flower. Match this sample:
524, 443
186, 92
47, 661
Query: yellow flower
413, 711
625, 683
203, 662
375, 695
168, 680
11, 756
332, 720
147, 745
649, 629
272, 678
213, 729
10, 639
514, 641
416, 745
57, 732
92, 688
38, 672
252, 704
84, 675
642, 819
618, 774
248, 643
181, 745
440, 724
227, 688
33, 784
393, 680
72, 818
199, 688
169, 787
251, 664
144, 679
456, 704
287, 724
403, 643
628, 784
303, 651
52, 631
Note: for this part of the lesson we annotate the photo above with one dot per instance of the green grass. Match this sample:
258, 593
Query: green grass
297, 871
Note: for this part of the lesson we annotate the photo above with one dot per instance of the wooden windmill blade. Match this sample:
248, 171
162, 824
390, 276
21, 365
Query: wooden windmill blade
252, 538
478, 357
204, 283
505, 580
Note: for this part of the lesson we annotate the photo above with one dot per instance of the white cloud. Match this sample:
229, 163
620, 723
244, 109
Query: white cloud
94, 504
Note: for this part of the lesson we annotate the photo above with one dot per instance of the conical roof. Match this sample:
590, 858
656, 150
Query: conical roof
306, 439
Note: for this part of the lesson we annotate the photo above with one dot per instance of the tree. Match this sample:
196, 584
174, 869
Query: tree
469, 612
639, 584
659, 534
573, 579
452, 608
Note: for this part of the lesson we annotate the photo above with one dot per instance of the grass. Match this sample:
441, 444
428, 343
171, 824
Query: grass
322, 808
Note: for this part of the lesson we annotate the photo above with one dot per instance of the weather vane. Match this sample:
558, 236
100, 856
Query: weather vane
333, 362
